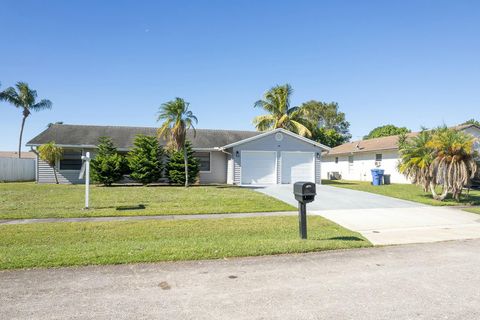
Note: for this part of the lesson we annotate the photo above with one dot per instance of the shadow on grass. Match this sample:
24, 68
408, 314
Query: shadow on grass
346, 238
125, 208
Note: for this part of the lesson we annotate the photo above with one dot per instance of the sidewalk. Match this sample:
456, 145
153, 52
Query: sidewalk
161, 217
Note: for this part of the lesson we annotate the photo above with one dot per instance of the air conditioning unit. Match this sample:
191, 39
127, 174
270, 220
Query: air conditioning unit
378, 164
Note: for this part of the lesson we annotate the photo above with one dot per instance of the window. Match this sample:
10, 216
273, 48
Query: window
71, 160
378, 157
350, 159
204, 158
336, 159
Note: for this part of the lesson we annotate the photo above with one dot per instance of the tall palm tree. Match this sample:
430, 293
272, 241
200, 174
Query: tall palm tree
26, 99
177, 119
276, 102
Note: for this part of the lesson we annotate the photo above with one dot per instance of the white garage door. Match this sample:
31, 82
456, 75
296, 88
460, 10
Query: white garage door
259, 167
298, 166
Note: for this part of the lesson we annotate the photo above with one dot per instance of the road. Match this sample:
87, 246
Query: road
422, 281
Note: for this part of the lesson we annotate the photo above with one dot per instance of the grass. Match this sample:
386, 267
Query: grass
73, 244
30, 200
406, 192
474, 210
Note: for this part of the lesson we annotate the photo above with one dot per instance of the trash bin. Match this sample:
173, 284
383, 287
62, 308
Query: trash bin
377, 176
386, 179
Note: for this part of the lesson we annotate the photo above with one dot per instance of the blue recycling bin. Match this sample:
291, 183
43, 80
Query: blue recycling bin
377, 176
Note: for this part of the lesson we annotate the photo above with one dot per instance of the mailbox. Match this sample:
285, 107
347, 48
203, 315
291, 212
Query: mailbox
304, 192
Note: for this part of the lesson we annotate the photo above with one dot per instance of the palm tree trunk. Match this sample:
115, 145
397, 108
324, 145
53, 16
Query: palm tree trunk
25, 115
55, 173
185, 159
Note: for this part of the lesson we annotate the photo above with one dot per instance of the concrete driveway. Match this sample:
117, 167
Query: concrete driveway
428, 281
385, 220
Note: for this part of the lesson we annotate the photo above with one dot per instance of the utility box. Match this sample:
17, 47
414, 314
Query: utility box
304, 192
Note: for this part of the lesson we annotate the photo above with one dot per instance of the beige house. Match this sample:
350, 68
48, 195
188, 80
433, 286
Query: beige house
354, 160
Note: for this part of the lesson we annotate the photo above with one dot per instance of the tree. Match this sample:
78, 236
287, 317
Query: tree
50, 153
176, 166
327, 123
454, 163
385, 131
276, 102
145, 160
441, 157
472, 121
416, 157
108, 166
26, 99
177, 119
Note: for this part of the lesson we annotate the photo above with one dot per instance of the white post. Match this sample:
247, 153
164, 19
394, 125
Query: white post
86, 170
87, 179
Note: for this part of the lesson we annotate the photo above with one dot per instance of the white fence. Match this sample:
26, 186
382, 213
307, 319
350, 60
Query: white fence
14, 169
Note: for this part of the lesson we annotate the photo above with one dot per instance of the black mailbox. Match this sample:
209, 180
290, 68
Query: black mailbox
304, 192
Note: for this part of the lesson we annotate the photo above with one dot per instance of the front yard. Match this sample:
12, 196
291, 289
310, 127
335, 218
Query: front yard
68, 244
30, 200
404, 191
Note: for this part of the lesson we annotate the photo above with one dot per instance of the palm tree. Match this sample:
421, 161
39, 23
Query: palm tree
454, 164
416, 158
177, 119
24, 98
276, 102
50, 153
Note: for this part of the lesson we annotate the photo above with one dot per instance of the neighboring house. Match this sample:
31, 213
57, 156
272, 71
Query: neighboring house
226, 156
354, 160
14, 154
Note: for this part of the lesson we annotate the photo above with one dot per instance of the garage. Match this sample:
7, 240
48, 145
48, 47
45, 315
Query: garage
259, 167
298, 166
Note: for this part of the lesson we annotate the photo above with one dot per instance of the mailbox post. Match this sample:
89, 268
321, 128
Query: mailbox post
304, 192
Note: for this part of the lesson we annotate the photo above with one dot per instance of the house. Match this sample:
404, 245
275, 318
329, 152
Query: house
354, 160
226, 156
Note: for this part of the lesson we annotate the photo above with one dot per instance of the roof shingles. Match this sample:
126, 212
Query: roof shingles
123, 137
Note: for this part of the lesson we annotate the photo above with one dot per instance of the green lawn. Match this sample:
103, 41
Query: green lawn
30, 200
68, 244
404, 191
474, 210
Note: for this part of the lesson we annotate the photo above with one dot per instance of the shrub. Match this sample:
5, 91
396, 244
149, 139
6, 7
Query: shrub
176, 166
145, 160
108, 166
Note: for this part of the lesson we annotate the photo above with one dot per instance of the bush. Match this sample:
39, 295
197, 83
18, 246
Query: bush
176, 166
145, 160
107, 166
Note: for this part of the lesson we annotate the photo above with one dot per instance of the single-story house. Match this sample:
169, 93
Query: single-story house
226, 156
354, 160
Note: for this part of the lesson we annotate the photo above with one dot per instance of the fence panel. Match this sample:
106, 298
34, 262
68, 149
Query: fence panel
14, 169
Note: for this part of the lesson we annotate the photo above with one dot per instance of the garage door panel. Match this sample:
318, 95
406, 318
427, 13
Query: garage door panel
259, 167
298, 166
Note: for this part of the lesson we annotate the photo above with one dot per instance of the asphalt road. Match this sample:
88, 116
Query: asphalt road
427, 281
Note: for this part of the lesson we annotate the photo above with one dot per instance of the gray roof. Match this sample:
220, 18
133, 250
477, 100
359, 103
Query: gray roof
123, 137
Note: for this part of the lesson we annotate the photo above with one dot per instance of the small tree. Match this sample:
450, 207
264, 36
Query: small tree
176, 166
107, 166
386, 131
50, 153
145, 159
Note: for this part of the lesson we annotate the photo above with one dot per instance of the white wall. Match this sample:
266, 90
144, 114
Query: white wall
362, 164
14, 169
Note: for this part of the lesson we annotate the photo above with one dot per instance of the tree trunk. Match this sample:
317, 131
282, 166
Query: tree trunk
25, 115
435, 195
185, 159
55, 173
